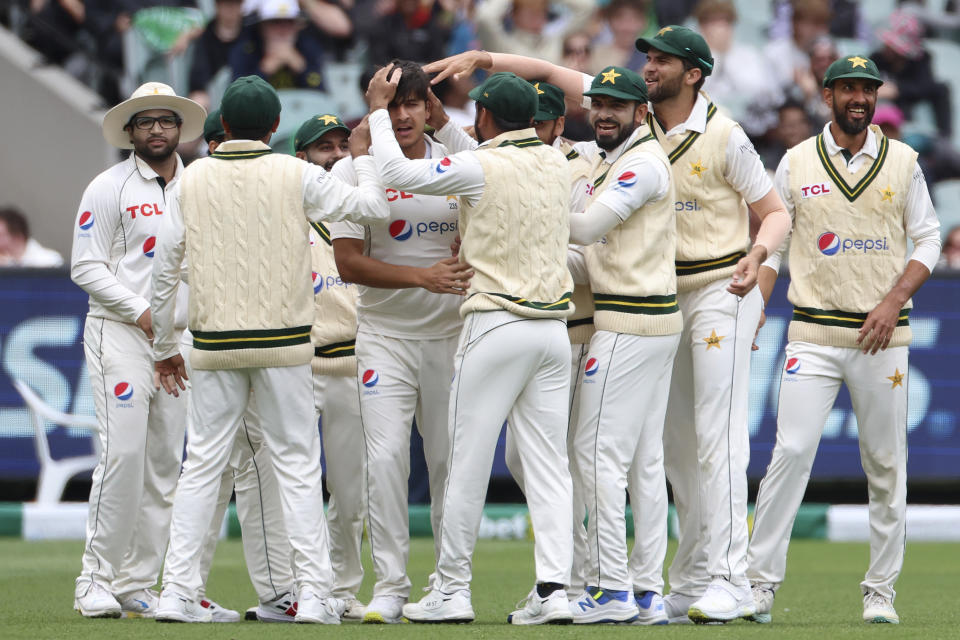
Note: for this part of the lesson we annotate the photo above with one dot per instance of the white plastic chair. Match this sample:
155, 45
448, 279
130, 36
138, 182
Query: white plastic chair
54, 474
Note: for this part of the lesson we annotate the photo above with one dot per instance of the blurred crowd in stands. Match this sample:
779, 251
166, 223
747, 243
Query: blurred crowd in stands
768, 77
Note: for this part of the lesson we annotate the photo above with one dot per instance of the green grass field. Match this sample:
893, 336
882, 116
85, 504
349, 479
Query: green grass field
820, 598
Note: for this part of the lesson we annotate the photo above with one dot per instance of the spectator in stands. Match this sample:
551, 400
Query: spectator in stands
414, 30
937, 156
809, 86
279, 50
950, 257
793, 127
740, 78
577, 53
529, 33
625, 20
673, 11
788, 55
212, 50
17, 248
847, 20
53, 26
907, 70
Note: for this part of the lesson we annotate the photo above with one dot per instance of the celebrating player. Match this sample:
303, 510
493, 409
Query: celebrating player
406, 340
856, 197
140, 430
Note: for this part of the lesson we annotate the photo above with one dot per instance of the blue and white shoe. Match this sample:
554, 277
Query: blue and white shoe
650, 604
597, 606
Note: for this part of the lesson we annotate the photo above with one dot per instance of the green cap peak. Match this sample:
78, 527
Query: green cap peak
681, 42
314, 128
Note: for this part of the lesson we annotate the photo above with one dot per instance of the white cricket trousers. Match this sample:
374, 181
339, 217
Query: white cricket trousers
706, 438
808, 387
250, 471
409, 378
335, 398
517, 369
284, 402
622, 404
581, 555
141, 438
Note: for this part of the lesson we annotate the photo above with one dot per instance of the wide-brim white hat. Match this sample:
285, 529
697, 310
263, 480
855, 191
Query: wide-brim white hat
153, 95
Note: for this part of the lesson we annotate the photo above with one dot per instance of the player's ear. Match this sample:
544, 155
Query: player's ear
301, 155
639, 113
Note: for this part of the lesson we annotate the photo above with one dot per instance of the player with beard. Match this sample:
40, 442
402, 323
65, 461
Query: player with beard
716, 172
856, 197
322, 140
408, 323
140, 430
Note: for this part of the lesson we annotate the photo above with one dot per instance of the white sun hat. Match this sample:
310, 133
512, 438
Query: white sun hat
153, 95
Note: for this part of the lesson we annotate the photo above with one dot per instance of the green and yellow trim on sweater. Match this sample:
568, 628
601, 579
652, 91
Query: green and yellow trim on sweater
250, 339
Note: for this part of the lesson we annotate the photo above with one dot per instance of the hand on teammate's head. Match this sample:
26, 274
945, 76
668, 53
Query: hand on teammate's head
383, 87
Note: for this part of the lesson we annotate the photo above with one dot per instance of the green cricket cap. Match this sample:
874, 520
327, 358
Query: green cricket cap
852, 67
508, 96
314, 128
681, 42
212, 127
550, 102
250, 103
618, 82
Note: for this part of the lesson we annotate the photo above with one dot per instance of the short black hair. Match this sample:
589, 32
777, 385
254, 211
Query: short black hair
250, 134
17, 223
414, 81
507, 125
687, 65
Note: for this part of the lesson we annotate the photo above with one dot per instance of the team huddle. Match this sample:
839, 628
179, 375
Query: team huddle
384, 278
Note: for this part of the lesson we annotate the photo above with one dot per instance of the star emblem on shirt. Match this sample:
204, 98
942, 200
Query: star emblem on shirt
857, 61
697, 169
713, 340
610, 76
663, 31
327, 119
887, 194
896, 379
540, 91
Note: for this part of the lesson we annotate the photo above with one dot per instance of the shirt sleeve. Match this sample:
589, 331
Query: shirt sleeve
329, 199
454, 138
92, 244
921, 223
744, 171
171, 246
781, 182
587, 81
460, 174
343, 170
577, 264
639, 180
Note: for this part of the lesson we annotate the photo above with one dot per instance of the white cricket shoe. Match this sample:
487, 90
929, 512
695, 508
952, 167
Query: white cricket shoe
218, 613
141, 603
437, 606
722, 602
93, 601
762, 603
283, 609
598, 606
384, 610
879, 608
553, 609
313, 609
652, 611
174, 607
676, 606
355, 609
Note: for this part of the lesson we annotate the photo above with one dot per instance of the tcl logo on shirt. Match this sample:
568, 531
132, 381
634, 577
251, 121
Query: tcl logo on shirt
146, 209
393, 194
813, 190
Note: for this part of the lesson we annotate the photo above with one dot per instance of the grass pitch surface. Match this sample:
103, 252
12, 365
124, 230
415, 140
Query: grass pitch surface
820, 598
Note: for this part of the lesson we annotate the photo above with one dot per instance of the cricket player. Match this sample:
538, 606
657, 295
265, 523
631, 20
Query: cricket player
140, 430
856, 197
322, 140
716, 172
408, 322
251, 313
513, 354
548, 123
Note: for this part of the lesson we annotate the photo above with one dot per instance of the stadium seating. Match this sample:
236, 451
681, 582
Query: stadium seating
54, 474
946, 198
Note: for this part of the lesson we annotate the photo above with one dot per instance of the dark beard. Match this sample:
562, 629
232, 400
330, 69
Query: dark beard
848, 126
666, 91
145, 152
476, 126
625, 132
